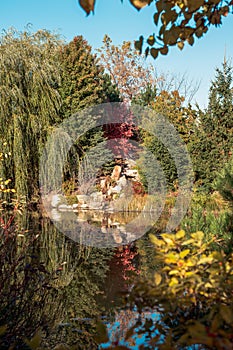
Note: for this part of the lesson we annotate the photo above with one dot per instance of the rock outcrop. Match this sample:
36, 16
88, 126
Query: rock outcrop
110, 188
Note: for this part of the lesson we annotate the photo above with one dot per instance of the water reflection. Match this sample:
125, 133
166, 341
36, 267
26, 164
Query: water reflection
51, 284
101, 228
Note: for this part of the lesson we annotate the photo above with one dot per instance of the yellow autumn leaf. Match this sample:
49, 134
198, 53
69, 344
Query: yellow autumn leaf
157, 278
151, 40
180, 234
168, 238
184, 253
174, 272
189, 273
171, 258
155, 240
208, 285
181, 5
199, 235
191, 262
174, 281
189, 241
205, 260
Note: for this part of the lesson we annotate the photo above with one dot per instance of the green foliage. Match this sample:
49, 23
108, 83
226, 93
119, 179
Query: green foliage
190, 291
83, 84
81, 79
29, 76
213, 141
210, 214
4, 188
170, 105
44, 82
224, 182
146, 97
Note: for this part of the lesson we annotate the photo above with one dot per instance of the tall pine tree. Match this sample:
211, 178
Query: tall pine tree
84, 84
215, 135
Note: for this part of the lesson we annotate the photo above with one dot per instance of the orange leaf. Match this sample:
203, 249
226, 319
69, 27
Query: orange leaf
139, 4
87, 5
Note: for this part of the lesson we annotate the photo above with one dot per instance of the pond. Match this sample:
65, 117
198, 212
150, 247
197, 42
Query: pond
57, 288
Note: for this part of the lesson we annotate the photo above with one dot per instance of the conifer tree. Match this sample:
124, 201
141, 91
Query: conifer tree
215, 135
169, 105
84, 84
82, 81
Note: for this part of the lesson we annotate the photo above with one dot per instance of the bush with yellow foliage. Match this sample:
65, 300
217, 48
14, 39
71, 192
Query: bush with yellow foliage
192, 293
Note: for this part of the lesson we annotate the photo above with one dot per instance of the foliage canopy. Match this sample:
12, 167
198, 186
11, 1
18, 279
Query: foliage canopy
178, 21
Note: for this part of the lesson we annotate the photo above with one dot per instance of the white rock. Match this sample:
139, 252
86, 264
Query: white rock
104, 229
96, 197
82, 198
102, 183
122, 228
84, 206
56, 199
113, 224
132, 173
116, 189
65, 207
122, 182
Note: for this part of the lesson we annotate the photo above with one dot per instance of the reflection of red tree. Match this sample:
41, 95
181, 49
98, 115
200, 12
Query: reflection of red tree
126, 257
117, 281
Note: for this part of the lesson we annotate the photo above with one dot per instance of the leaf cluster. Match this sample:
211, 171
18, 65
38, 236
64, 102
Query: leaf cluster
178, 21
191, 294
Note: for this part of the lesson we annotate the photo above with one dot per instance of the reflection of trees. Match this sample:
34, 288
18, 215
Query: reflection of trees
48, 280
146, 253
25, 287
82, 301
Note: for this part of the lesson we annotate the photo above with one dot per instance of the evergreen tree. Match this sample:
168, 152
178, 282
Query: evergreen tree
84, 84
220, 107
82, 81
169, 105
215, 135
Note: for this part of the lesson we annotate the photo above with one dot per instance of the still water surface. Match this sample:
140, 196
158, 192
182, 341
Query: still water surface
60, 288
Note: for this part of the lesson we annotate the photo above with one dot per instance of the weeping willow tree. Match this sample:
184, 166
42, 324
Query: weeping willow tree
30, 102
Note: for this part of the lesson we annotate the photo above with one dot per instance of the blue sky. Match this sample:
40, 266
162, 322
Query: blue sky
122, 22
